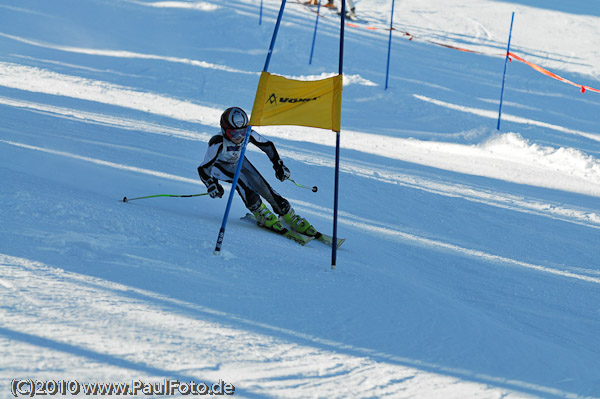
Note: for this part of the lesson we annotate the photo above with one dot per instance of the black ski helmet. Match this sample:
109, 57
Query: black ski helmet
233, 118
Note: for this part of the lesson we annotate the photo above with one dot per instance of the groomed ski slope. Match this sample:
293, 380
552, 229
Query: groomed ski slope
470, 268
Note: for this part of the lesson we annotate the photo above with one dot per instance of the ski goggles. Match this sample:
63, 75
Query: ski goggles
236, 134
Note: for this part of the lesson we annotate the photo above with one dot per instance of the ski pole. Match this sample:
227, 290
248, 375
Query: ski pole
313, 188
125, 199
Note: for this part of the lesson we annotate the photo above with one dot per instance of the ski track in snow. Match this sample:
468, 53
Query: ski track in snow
508, 117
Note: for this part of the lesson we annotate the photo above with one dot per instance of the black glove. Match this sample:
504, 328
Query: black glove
281, 171
214, 188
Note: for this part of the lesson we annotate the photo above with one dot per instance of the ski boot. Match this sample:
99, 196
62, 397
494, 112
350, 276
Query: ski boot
299, 224
266, 218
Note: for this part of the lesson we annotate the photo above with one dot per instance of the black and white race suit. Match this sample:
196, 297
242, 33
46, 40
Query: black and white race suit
221, 160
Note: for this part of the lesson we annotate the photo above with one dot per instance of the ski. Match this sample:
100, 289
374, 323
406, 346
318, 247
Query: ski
289, 234
352, 17
299, 238
328, 240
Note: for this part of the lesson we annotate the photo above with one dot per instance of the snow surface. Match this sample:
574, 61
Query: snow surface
471, 265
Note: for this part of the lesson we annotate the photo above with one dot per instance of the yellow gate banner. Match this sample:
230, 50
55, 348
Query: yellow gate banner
282, 101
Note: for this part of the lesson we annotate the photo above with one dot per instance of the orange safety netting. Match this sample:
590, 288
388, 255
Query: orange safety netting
511, 55
551, 74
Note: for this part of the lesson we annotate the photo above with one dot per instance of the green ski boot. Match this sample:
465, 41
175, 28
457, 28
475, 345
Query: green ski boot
266, 218
299, 224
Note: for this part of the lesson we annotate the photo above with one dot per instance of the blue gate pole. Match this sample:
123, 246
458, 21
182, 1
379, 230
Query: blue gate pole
217, 250
337, 146
504, 74
219, 244
312, 48
387, 71
260, 15
272, 45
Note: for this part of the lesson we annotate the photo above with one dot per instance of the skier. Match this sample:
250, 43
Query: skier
329, 4
351, 13
221, 160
